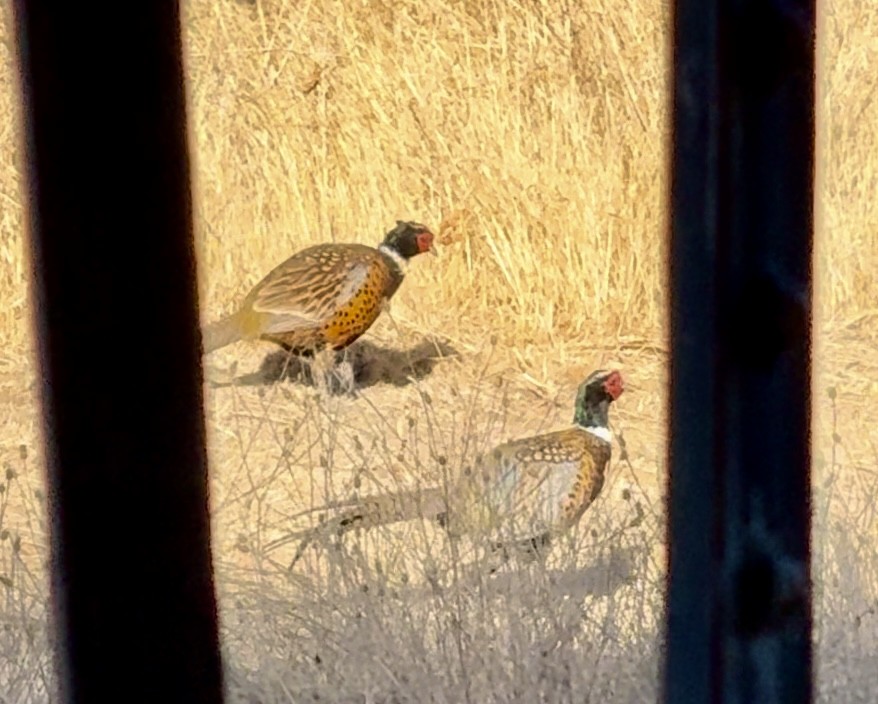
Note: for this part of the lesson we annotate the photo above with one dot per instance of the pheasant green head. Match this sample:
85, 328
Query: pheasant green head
408, 239
595, 395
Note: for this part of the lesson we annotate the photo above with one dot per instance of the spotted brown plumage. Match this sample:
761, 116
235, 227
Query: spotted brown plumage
324, 296
523, 493
534, 488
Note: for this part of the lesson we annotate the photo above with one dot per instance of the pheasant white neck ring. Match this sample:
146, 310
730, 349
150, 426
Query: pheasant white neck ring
600, 431
398, 259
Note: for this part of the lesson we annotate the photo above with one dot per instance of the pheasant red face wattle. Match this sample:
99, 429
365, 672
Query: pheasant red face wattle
614, 385
425, 242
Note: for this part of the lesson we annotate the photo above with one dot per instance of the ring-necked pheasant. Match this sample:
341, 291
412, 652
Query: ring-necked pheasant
528, 491
324, 296
521, 494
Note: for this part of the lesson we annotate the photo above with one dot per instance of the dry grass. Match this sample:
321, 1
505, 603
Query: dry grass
336, 122
533, 137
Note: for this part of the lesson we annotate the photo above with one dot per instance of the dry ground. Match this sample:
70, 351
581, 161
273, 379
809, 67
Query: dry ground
533, 136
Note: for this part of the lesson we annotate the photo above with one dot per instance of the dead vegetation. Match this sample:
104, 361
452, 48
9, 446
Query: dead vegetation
533, 137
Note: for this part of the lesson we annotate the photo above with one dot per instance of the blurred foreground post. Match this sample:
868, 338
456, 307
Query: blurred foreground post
114, 292
739, 613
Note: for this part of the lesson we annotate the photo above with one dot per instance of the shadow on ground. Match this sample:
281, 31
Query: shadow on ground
607, 572
604, 577
368, 362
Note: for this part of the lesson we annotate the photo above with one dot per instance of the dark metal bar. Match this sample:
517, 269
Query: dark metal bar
738, 604
116, 311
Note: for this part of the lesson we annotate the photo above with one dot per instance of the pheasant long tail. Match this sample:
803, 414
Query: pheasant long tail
373, 512
220, 333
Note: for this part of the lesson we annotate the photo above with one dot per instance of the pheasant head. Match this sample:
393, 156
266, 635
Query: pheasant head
593, 400
408, 239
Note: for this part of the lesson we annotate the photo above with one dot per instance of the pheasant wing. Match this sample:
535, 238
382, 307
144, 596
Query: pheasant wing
307, 289
525, 484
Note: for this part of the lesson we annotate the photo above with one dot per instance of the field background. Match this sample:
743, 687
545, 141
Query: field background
533, 138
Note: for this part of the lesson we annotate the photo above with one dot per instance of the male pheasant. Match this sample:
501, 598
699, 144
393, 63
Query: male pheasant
527, 491
522, 494
325, 296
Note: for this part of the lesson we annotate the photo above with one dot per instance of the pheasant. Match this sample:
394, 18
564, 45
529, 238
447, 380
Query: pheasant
325, 296
521, 495
527, 491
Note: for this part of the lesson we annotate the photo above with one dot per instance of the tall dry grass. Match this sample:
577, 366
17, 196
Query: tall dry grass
535, 132
533, 136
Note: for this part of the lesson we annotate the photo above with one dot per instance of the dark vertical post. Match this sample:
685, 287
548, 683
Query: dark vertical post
738, 605
115, 299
